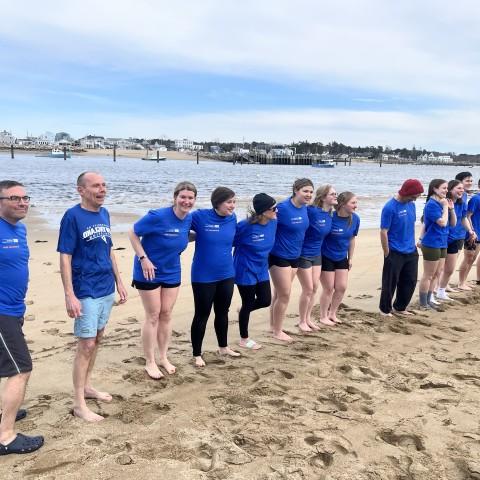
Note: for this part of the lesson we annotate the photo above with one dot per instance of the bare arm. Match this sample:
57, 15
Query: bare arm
148, 268
384, 241
120, 287
72, 303
351, 249
451, 214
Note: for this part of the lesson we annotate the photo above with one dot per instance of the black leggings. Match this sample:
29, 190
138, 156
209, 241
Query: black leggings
253, 297
219, 294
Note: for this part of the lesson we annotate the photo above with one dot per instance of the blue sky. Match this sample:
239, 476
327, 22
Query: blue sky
362, 72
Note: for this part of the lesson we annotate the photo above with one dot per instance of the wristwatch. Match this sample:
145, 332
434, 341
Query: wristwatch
142, 257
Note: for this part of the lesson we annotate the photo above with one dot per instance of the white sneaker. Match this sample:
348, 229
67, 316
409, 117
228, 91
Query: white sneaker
444, 296
434, 301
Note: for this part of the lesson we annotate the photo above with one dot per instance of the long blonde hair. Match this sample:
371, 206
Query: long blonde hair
342, 200
321, 194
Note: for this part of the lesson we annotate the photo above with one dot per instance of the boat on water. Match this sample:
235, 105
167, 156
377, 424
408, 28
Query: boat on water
155, 158
55, 153
323, 164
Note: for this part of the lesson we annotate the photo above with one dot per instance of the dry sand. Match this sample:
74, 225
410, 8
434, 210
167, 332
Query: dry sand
170, 154
374, 398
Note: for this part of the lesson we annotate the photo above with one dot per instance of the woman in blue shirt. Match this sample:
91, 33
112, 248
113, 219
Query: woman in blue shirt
158, 239
254, 240
456, 235
284, 258
310, 266
213, 275
337, 255
437, 216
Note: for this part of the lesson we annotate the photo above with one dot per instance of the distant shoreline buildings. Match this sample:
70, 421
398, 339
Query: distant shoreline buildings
226, 151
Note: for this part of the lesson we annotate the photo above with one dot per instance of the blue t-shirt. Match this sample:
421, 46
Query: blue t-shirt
14, 256
291, 227
474, 207
320, 225
435, 236
458, 231
212, 260
253, 243
86, 236
399, 219
164, 237
337, 242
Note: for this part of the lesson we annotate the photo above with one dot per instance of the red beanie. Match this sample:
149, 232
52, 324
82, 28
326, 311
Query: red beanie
411, 187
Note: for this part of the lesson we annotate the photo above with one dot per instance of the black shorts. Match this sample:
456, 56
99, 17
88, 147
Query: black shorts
329, 265
471, 246
152, 286
309, 262
14, 355
282, 262
455, 246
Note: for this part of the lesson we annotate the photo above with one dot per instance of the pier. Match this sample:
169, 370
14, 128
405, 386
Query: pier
276, 159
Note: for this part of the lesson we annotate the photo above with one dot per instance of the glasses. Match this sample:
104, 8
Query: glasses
16, 198
273, 209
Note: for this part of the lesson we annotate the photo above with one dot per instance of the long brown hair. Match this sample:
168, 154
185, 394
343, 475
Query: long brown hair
321, 194
342, 200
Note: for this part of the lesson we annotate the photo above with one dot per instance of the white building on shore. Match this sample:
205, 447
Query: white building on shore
6, 138
184, 144
431, 158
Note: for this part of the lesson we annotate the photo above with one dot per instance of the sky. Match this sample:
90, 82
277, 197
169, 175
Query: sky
360, 72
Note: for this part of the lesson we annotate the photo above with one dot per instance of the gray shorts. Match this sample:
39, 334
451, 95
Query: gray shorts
308, 262
95, 314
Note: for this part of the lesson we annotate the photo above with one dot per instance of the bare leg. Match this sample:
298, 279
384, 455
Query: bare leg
469, 257
448, 269
86, 349
327, 279
282, 280
316, 271
306, 281
12, 398
164, 329
341, 279
152, 305
91, 392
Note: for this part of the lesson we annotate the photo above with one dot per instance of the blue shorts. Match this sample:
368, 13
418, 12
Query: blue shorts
95, 314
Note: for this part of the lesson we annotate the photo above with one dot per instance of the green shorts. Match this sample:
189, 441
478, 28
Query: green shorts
433, 254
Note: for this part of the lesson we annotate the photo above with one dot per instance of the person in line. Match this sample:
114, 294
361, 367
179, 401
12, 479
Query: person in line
213, 275
472, 244
285, 255
337, 256
89, 275
397, 237
253, 241
456, 235
310, 266
438, 215
15, 360
158, 239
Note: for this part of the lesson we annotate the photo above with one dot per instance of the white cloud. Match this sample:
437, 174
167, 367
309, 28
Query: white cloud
410, 47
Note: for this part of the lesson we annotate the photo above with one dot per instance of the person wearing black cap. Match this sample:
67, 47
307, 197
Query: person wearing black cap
397, 236
253, 241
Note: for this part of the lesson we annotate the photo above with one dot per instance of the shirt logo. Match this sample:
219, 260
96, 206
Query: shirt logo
296, 219
212, 227
258, 237
10, 243
173, 232
97, 231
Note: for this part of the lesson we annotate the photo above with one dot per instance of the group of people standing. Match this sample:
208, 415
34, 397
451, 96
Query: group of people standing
311, 235
450, 222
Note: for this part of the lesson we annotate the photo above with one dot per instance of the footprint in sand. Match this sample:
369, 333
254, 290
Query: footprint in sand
403, 440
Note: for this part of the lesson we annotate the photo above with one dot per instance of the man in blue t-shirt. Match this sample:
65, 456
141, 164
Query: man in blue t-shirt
397, 235
15, 360
89, 274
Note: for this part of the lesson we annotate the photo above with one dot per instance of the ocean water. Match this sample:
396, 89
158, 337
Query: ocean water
134, 185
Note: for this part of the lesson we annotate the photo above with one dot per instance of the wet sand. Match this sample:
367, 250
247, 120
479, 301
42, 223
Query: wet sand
374, 398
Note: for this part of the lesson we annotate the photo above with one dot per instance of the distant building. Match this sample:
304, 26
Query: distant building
197, 147
92, 141
6, 138
184, 144
431, 158
215, 149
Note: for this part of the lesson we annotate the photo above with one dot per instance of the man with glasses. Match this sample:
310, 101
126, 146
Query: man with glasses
89, 275
397, 236
15, 360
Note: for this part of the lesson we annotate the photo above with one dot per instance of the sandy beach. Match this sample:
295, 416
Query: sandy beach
373, 398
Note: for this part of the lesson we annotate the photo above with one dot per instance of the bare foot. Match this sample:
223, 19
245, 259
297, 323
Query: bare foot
464, 287
303, 326
327, 321
313, 326
228, 351
198, 362
383, 314
171, 369
405, 313
448, 288
90, 392
86, 414
283, 337
153, 371
334, 318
